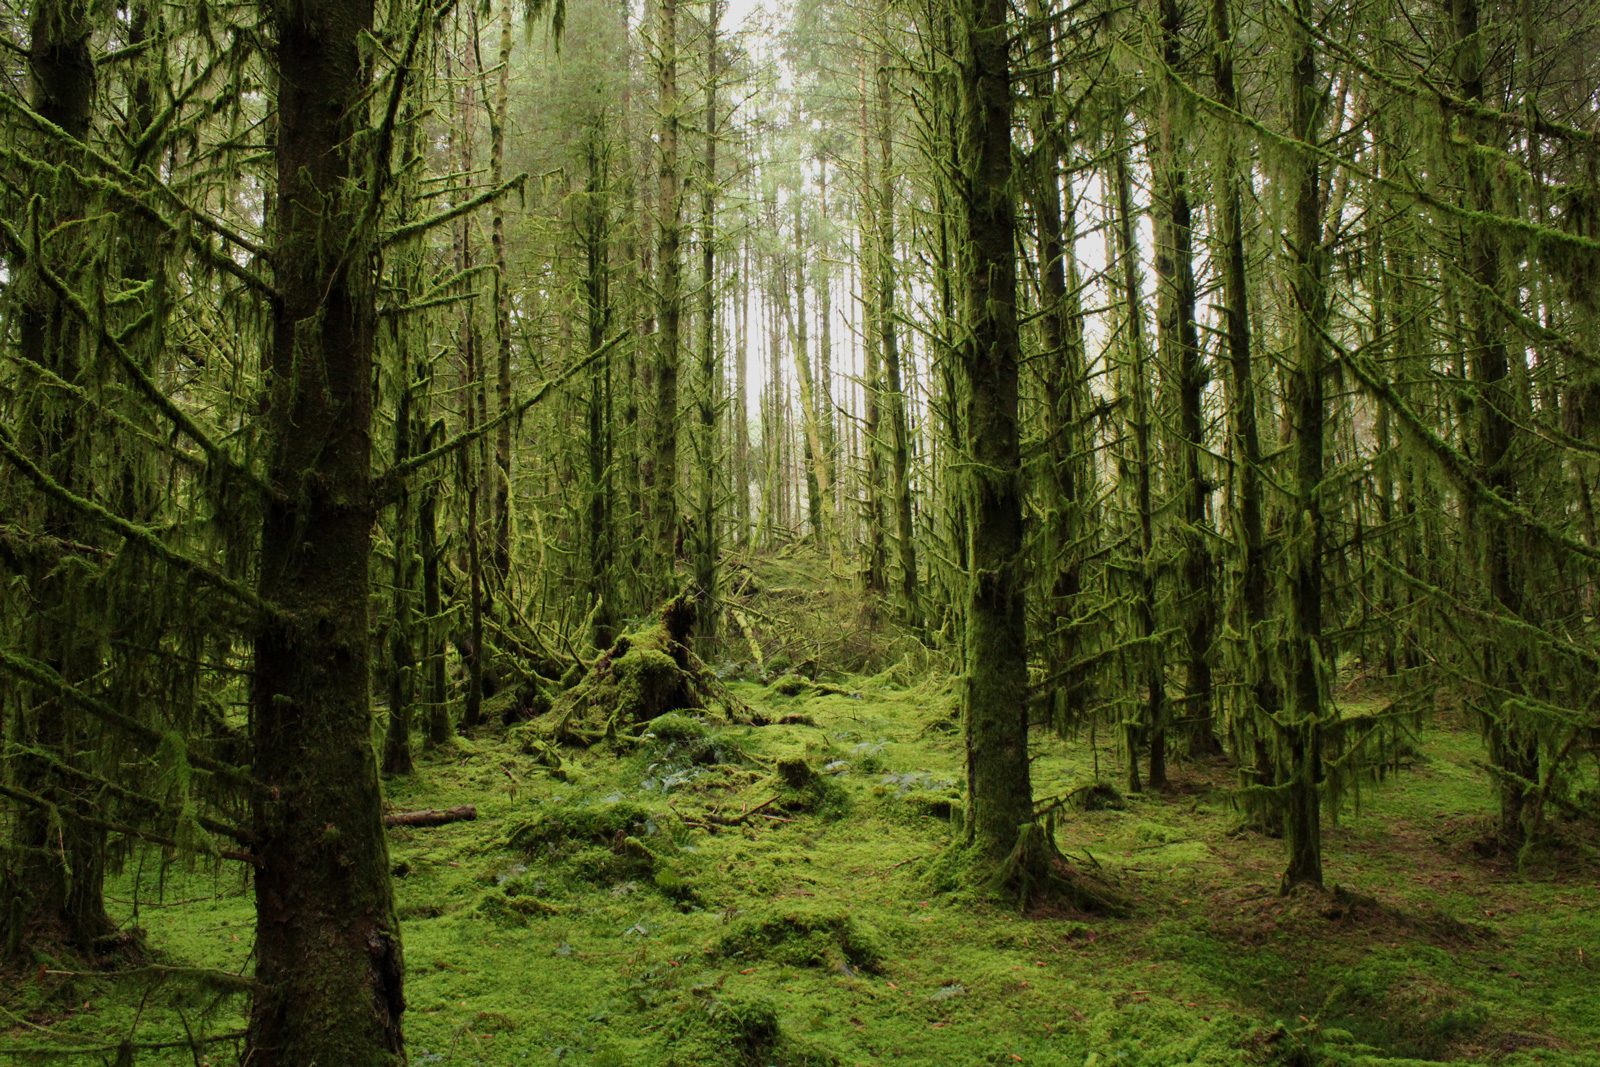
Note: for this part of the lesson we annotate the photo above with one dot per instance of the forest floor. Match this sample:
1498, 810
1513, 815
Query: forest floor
659, 906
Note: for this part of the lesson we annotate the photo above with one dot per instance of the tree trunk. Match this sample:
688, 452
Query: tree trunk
1185, 369
670, 212
327, 940
706, 540
995, 715
906, 587
1301, 739
53, 891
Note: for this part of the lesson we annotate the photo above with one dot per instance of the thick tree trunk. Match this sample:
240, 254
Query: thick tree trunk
327, 941
53, 891
987, 355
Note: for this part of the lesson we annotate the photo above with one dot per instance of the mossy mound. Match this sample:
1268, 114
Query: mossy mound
735, 1032
805, 938
677, 739
607, 844
791, 685
1101, 796
560, 828
932, 804
802, 791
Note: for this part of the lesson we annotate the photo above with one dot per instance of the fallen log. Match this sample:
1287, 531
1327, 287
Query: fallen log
430, 816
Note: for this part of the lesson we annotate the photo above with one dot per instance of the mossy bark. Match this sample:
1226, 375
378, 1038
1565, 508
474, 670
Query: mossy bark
907, 590
51, 889
706, 548
1300, 735
1184, 368
994, 698
1513, 747
328, 954
1253, 725
664, 507
1068, 480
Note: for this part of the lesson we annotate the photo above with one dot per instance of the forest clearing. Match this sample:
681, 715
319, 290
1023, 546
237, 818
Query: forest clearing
651, 904
736, 533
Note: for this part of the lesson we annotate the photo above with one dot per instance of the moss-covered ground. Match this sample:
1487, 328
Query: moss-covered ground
696, 901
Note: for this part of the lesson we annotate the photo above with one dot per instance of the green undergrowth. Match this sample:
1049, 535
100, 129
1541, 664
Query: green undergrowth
715, 895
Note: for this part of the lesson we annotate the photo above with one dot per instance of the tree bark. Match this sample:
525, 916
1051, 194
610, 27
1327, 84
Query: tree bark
328, 952
987, 355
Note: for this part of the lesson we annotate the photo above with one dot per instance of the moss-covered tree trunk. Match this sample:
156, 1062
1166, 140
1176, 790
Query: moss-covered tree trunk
598, 533
907, 593
1252, 725
1513, 745
874, 547
1151, 720
987, 351
1185, 371
327, 941
1067, 482
664, 465
819, 483
1300, 745
51, 885
707, 543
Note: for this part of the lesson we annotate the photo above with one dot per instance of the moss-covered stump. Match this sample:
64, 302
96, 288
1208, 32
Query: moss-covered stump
646, 674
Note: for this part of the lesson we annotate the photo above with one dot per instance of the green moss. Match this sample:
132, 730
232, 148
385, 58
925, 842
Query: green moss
675, 728
805, 938
790, 685
685, 944
562, 825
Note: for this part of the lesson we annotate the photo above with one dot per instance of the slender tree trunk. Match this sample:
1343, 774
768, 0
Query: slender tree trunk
827, 435
500, 558
817, 483
707, 545
1305, 535
439, 726
1179, 340
875, 566
597, 308
1513, 751
402, 659
670, 214
899, 447
1153, 721
327, 941
1262, 699
1067, 484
